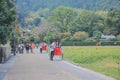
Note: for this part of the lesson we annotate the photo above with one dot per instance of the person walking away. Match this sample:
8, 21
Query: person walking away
52, 47
27, 47
21, 47
32, 47
44, 47
40, 45
36, 45
58, 43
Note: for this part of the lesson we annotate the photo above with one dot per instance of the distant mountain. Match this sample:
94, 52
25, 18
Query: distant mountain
85, 4
26, 6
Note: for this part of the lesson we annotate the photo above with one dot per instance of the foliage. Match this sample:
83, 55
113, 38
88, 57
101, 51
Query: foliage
89, 43
109, 43
78, 43
7, 18
118, 37
49, 35
37, 21
77, 20
46, 6
33, 19
42, 35
37, 40
80, 36
44, 13
32, 39
86, 21
7, 12
97, 35
52, 4
3, 35
62, 17
65, 36
94, 23
113, 21
67, 18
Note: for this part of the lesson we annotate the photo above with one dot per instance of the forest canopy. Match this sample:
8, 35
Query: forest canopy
71, 19
25, 7
65, 19
7, 19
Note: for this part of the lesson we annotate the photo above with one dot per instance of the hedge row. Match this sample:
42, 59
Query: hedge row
79, 43
104, 43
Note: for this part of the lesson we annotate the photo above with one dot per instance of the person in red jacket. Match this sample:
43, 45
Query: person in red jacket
32, 47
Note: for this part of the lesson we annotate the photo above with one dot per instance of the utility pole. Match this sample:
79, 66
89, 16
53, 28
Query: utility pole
14, 52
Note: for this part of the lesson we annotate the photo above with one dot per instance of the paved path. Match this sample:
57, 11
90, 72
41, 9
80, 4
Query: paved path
38, 67
4, 67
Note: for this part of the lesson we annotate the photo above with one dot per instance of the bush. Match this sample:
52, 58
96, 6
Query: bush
118, 37
80, 36
107, 43
89, 43
78, 43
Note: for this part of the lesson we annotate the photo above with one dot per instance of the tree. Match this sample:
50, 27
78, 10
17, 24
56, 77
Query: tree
46, 6
3, 34
7, 12
118, 37
37, 21
113, 22
7, 18
65, 36
49, 35
80, 36
97, 35
62, 17
86, 21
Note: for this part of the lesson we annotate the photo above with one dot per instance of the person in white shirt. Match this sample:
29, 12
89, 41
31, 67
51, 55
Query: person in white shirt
52, 47
21, 47
40, 45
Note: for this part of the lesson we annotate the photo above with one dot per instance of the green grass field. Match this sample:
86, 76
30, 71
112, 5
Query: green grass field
103, 59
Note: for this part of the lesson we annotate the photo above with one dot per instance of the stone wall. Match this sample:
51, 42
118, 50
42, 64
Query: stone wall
5, 52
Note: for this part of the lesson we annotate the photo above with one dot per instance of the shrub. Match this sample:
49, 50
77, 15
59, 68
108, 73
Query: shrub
80, 36
77, 43
118, 37
89, 43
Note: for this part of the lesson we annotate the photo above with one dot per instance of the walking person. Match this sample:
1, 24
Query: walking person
52, 47
58, 43
44, 47
40, 45
27, 47
32, 47
21, 47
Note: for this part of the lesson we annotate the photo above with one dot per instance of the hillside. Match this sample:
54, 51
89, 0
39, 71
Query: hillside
84, 4
24, 7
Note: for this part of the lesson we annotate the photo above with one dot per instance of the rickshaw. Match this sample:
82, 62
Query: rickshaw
58, 53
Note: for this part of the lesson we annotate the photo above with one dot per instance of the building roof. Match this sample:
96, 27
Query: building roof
107, 37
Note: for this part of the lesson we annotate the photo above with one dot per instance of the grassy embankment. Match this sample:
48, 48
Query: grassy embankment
103, 59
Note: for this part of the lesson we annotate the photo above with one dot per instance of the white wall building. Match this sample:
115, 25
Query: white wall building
107, 37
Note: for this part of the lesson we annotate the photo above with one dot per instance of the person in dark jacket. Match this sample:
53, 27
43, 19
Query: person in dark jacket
27, 46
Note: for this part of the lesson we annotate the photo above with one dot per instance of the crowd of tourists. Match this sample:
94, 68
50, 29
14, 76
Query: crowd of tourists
54, 46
